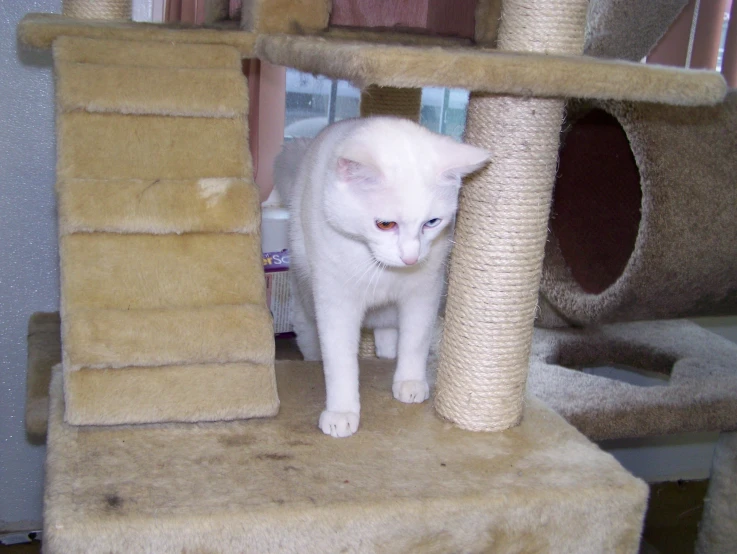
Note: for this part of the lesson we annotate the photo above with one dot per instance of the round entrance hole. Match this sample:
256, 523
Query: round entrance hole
597, 201
642, 226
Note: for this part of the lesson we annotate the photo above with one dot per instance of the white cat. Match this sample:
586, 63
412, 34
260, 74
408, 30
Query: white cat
372, 202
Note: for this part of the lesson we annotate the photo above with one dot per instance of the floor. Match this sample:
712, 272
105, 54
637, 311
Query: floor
671, 523
673, 516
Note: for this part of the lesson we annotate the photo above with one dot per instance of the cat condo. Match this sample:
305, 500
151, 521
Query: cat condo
164, 323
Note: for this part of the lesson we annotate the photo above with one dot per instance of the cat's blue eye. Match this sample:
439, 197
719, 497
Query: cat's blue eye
433, 222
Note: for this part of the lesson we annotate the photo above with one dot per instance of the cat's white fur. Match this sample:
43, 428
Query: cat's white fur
346, 272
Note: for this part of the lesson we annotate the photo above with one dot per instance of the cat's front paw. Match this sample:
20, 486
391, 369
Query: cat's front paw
411, 392
339, 424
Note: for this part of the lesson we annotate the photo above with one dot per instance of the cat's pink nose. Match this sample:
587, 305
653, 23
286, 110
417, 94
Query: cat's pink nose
409, 260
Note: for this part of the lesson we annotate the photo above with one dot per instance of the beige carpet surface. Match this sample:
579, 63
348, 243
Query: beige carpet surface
644, 211
628, 29
365, 62
700, 393
407, 482
485, 70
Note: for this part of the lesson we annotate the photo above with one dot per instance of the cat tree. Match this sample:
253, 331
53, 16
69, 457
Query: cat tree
197, 345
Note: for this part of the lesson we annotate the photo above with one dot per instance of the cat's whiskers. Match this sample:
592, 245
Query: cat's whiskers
363, 270
423, 261
382, 267
375, 273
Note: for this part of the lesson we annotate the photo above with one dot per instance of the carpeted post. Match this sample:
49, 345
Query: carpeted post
97, 9
500, 235
402, 102
44, 352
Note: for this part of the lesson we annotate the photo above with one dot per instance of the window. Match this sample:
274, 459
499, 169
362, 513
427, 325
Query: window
314, 102
725, 25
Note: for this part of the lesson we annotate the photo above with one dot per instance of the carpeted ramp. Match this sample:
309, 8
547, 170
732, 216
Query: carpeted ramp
163, 301
407, 482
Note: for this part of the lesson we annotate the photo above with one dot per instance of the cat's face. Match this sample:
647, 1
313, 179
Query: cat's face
400, 221
396, 189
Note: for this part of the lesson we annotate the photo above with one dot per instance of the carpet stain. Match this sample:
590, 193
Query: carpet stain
275, 457
236, 440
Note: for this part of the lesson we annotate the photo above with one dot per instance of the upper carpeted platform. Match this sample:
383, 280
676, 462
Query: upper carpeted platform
373, 60
478, 69
407, 482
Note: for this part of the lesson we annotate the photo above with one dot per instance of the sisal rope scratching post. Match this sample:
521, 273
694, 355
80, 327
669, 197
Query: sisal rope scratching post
97, 9
400, 102
367, 345
501, 229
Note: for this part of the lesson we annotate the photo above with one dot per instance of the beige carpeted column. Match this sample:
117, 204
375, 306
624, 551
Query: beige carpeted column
487, 22
500, 235
367, 346
303, 16
402, 102
97, 9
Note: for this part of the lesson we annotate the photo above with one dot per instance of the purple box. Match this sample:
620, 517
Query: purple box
278, 297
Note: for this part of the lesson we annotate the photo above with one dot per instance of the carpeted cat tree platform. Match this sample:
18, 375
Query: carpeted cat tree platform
699, 397
164, 323
407, 482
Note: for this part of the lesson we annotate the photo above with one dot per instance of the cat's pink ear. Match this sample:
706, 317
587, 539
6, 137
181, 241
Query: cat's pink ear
458, 160
356, 173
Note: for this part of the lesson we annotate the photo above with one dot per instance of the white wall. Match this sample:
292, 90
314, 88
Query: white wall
724, 326
28, 249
